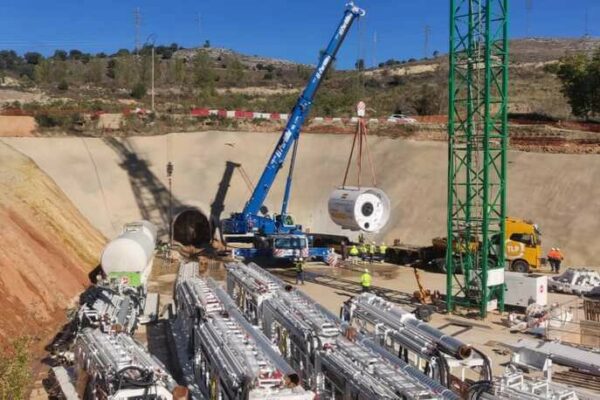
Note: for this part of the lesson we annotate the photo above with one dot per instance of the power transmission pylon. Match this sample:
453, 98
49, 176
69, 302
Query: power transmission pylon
528, 9
477, 147
426, 35
137, 20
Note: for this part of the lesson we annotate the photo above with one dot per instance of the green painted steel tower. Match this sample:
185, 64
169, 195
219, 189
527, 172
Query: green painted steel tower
477, 150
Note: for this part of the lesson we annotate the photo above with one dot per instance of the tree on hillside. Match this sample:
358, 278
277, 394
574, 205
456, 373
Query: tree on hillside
63, 86
126, 71
85, 58
60, 55
235, 72
9, 60
203, 73
42, 72
121, 52
138, 91
427, 102
95, 71
178, 73
206, 44
165, 52
580, 78
111, 67
360, 64
33, 57
75, 54
59, 70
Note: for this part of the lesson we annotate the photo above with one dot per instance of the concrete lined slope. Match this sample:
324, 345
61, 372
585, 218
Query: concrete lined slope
559, 192
48, 248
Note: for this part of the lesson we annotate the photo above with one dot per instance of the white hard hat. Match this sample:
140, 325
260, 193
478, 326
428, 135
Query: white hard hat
557, 249
366, 270
554, 248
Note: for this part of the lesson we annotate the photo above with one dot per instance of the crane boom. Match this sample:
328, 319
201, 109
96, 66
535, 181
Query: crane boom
249, 219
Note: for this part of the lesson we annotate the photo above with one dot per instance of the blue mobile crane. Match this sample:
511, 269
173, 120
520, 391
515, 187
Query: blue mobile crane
278, 236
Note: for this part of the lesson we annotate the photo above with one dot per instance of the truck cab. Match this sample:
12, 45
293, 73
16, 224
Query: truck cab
523, 245
288, 246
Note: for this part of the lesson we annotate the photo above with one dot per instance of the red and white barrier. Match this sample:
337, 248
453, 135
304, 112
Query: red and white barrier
239, 114
242, 114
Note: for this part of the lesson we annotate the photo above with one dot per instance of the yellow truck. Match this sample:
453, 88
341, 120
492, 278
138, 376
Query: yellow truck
523, 245
522, 249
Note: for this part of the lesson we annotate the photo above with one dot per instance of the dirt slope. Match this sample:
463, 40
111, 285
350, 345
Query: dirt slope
48, 247
558, 191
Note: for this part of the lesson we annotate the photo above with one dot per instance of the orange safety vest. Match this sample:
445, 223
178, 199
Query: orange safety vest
555, 255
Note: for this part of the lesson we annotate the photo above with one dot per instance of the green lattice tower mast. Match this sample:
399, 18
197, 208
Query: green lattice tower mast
478, 139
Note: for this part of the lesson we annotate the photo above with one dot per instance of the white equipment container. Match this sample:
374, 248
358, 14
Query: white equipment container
359, 209
131, 252
524, 289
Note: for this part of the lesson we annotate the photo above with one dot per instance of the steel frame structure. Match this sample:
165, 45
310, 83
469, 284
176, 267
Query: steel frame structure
477, 150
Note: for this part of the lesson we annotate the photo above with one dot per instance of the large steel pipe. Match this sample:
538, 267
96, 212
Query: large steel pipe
359, 209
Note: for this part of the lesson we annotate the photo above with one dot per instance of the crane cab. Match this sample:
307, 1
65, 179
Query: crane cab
286, 223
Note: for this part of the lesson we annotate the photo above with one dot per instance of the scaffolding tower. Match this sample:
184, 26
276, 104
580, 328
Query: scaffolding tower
477, 147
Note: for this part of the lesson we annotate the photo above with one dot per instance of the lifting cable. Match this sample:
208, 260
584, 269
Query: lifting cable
246, 178
360, 141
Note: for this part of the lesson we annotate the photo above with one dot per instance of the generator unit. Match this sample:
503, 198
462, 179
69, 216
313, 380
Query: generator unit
525, 289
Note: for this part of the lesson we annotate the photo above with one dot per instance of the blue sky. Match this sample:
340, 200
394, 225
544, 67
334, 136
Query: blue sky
293, 30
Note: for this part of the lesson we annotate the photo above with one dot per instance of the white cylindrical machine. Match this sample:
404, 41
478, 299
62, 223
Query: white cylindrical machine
131, 252
359, 209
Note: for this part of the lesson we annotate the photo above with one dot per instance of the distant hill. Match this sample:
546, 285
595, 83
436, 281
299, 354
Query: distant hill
223, 78
218, 55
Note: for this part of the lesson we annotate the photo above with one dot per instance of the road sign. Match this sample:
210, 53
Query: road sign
361, 108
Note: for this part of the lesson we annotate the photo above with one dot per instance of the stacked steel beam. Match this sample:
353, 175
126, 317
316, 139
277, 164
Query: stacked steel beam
231, 358
335, 360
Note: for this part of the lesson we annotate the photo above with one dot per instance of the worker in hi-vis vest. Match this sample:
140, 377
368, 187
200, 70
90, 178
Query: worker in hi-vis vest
354, 254
365, 281
299, 265
382, 251
371, 249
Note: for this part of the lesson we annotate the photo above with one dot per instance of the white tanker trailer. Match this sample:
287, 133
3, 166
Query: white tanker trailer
128, 258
